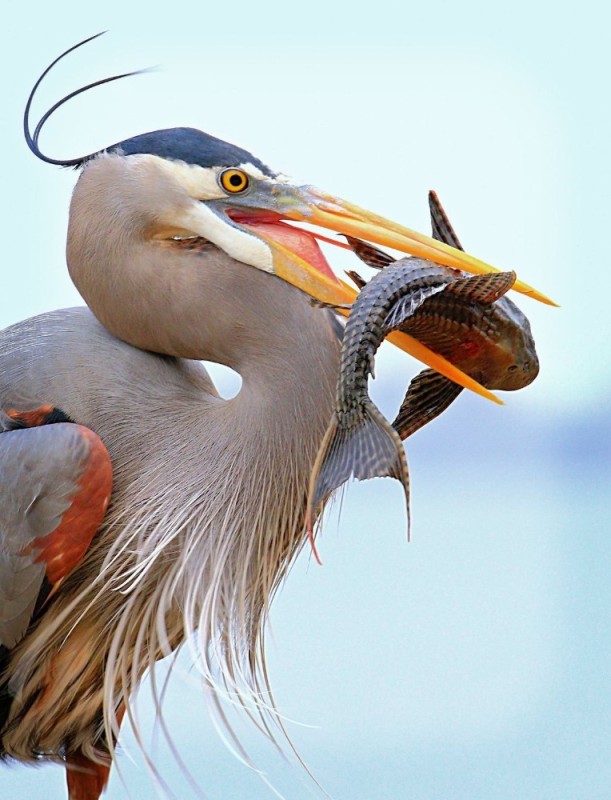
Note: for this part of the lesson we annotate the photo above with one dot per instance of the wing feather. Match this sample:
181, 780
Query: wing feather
55, 483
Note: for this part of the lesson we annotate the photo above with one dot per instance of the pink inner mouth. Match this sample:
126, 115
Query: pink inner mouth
270, 225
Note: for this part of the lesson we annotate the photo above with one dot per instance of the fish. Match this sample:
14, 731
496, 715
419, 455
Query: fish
487, 337
441, 307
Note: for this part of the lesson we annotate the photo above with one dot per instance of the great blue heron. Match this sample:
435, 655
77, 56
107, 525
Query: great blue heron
176, 242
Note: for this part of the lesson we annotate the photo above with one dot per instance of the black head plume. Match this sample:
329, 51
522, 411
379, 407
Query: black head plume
32, 139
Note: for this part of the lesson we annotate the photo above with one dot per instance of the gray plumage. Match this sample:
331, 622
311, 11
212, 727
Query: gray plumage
178, 451
39, 470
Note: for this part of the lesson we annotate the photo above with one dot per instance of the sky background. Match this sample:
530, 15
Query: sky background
475, 661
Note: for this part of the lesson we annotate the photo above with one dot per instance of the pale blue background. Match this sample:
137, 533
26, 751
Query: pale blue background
474, 662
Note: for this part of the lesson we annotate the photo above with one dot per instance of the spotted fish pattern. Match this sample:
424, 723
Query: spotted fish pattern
456, 315
472, 324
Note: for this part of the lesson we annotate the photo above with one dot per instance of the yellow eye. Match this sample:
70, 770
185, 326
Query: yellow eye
233, 180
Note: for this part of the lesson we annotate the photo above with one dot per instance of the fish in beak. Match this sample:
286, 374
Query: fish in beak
469, 319
298, 259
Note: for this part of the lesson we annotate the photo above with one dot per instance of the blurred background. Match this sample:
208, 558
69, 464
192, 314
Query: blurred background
473, 662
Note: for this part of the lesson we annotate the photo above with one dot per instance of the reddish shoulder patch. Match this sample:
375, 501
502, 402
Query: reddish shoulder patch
32, 419
63, 548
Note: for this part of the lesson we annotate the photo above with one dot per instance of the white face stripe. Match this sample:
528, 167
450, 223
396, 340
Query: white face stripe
254, 172
198, 182
198, 219
201, 183
195, 218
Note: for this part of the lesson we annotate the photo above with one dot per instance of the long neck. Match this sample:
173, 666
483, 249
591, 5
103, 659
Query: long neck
240, 486
251, 454
190, 299
236, 501
207, 509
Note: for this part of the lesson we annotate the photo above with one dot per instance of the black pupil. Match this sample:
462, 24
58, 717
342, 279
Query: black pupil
236, 180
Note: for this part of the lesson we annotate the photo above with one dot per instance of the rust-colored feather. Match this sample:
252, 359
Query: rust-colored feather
63, 548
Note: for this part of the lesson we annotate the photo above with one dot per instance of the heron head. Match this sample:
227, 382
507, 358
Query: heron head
209, 189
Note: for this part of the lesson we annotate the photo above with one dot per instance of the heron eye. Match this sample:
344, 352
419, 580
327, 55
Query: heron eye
233, 180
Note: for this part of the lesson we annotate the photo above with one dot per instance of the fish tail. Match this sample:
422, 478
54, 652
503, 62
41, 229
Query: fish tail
369, 449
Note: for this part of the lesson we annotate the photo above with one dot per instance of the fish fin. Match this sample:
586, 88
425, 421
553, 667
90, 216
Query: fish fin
482, 288
370, 449
356, 278
407, 306
369, 254
442, 228
333, 306
337, 324
428, 395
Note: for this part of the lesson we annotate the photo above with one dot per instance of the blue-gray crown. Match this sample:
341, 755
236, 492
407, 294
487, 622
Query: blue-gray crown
191, 146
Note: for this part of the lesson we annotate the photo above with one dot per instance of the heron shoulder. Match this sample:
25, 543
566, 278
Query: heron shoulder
67, 358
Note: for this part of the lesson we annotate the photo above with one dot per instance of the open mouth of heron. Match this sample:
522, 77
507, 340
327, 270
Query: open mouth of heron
271, 226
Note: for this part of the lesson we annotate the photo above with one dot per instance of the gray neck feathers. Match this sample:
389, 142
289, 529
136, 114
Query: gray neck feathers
207, 510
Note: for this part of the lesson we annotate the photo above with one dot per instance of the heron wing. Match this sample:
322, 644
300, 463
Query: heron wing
55, 484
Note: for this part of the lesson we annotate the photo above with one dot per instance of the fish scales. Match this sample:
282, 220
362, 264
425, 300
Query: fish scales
360, 442
444, 324
368, 324
467, 319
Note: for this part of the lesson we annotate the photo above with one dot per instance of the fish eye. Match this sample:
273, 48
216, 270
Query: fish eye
234, 180
512, 368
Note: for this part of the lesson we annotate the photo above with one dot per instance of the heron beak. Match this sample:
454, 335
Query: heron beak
344, 217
